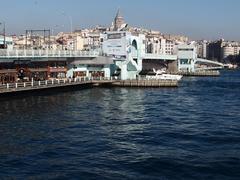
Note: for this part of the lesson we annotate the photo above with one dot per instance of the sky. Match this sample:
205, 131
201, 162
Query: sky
197, 19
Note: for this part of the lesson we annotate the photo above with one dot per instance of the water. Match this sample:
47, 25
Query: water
190, 132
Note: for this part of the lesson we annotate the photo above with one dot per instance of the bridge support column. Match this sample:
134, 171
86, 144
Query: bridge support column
124, 72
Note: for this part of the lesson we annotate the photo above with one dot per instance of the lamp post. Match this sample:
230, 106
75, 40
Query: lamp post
4, 34
57, 27
70, 20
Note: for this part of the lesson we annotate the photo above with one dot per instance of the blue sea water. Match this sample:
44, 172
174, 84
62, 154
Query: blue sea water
190, 132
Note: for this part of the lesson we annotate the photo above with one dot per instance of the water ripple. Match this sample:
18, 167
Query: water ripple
190, 132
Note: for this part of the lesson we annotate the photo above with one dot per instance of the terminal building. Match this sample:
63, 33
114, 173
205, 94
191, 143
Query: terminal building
99, 67
127, 52
28, 70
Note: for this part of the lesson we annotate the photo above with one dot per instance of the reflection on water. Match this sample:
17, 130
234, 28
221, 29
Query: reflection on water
124, 133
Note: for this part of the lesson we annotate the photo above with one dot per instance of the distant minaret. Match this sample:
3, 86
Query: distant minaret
118, 21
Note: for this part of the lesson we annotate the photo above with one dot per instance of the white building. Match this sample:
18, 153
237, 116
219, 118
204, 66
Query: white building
159, 45
87, 40
187, 55
8, 42
169, 48
99, 67
229, 50
202, 49
127, 51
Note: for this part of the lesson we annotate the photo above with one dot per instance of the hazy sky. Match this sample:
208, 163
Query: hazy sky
198, 19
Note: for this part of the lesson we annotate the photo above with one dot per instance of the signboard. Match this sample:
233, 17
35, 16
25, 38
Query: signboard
115, 44
116, 35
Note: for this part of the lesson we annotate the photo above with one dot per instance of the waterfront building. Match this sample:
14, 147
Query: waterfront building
221, 50
215, 50
27, 70
99, 67
230, 50
126, 50
188, 60
186, 56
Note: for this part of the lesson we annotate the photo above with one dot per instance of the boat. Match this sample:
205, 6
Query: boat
162, 75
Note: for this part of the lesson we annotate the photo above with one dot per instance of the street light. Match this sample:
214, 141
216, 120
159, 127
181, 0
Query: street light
70, 19
71, 22
57, 27
4, 34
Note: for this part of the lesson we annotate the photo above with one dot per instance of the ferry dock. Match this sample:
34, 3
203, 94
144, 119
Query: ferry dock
11, 88
146, 83
199, 73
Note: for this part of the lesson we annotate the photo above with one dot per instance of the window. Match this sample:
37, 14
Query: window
185, 61
187, 49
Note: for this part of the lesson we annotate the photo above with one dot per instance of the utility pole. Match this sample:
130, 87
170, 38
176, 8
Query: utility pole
71, 24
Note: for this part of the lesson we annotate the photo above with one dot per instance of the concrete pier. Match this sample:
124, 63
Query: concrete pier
146, 83
199, 73
11, 88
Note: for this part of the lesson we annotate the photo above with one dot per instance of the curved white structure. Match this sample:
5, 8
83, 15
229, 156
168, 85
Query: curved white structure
187, 60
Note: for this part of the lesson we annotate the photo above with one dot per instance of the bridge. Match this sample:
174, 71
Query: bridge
7, 55
218, 64
209, 62
36, 54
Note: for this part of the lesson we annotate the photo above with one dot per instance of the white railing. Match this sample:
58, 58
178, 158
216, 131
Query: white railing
160, 56
209, 68
156, 56
209, 62
50, 83
5, 53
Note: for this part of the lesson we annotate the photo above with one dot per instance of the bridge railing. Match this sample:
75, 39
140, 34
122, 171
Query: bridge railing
5, 53
160, 56
208, 62
156, 56
50, 83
